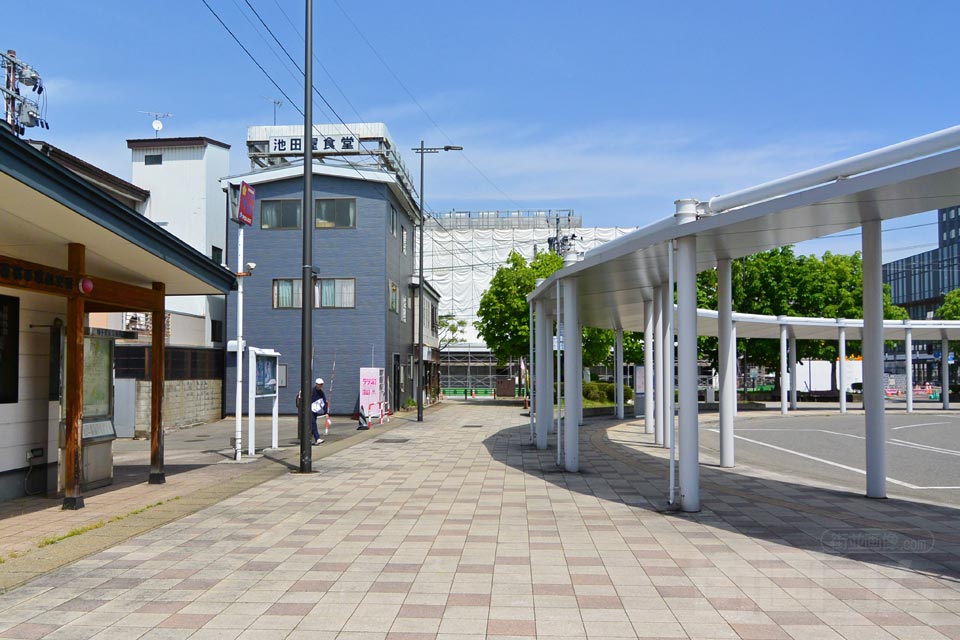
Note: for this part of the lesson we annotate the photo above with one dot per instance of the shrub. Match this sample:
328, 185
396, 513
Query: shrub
593, 392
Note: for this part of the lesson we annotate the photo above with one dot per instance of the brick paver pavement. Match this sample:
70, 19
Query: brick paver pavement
455, 529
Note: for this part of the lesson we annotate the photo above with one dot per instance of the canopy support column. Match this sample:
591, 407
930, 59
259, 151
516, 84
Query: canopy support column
945, 373
669, 360
783, 369
618, 375
689, 439
659, 356
157, 360
793, 373
841, 366
736, 362
531, 340
573, 375
728, 361
544, 374
873, 395
648, 350
73, 389
908, 348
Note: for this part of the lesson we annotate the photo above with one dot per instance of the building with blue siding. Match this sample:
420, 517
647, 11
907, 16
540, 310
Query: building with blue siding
364, 253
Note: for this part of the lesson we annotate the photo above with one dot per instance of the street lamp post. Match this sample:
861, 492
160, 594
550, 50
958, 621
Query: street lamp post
419, 386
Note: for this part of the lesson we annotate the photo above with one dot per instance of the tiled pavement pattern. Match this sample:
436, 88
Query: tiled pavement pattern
454, 529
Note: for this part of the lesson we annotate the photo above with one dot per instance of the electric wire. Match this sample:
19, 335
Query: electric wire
272, 49
252, 58
312, 86
320, 64
420, 106
274, 82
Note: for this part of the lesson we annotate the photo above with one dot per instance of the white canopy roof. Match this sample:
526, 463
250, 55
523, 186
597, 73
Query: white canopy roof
751, 325
616, 278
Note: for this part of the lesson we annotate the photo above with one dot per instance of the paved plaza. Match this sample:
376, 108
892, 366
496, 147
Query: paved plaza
455, 528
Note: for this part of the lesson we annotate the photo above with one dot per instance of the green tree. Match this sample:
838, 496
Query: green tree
950, 309
544, 264
633, 347
597, 344
450, 331
504, 313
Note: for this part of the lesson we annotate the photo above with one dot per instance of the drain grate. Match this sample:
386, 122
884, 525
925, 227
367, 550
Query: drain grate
472, 426
391, 440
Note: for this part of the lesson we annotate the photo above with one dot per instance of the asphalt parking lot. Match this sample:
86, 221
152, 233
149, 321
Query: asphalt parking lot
922, 449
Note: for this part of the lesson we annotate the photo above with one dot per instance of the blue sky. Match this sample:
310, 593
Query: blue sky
612, 108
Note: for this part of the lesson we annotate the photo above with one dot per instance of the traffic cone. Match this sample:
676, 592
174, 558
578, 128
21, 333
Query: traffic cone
473, 393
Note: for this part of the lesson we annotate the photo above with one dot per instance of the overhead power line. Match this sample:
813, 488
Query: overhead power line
420, 106
252, 58
295, 64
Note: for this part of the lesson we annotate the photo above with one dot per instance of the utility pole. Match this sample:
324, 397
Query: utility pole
306, 284
12, 91
19, 111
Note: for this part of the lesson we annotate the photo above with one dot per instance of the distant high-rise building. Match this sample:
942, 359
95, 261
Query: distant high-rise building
919, 283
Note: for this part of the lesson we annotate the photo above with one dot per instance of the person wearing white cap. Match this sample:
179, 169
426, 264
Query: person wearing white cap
318, 407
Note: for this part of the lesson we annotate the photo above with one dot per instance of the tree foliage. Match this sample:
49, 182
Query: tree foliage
450, 331
950, 309
504, 313
778, 282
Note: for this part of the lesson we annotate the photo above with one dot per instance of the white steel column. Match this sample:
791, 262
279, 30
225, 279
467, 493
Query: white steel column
528, 384
557, 425
908, 347
618, 367
689, 440
660, 367
544, 374
648, 351
873, 397
573, 375
783, 369
736, 363
842, 374
728, 362
793, 373
945, 373
669, 361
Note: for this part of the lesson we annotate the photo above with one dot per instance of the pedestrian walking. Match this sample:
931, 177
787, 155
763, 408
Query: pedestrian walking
318, 408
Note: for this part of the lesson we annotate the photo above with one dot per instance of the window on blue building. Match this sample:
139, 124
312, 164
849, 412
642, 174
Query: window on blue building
338, 293
336, 213
280, 214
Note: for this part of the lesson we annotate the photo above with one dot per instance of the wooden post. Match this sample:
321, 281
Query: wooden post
73, 390
156, 388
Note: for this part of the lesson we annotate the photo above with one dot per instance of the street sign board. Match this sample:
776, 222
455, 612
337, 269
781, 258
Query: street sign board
247, 201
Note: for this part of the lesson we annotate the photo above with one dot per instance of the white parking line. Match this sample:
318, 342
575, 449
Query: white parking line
837, 464
923, 424
925, 447
821, 460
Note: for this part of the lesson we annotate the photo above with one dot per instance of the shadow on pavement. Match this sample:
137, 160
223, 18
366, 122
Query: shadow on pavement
913, 536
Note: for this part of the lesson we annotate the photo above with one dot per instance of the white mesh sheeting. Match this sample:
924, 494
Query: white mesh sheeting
461, 263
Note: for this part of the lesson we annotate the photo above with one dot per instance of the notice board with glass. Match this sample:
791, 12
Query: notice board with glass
97, 378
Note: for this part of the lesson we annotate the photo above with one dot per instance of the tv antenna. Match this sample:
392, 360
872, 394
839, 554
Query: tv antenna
276, 103
157, 121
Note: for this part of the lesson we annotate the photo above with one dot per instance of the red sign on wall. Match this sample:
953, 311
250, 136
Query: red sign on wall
247, 199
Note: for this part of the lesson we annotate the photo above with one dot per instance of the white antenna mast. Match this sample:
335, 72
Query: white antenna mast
276, 103
157, 120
